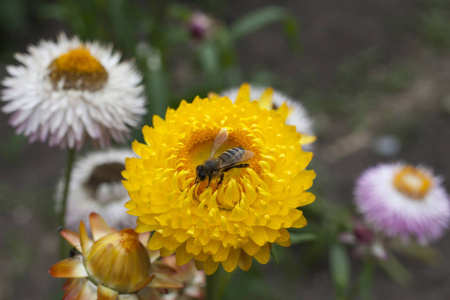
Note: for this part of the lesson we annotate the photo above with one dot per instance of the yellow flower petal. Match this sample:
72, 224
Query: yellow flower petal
156, 241
74, 288
301, 222
84, 239
263, 256
231, 263
142, 284
165, 281
210, 266
72, 267
266, 98
251, 248
88, 291
244, 93
105, 293
98, 226
128, 297
221, 254
245, 261
251, 207
72, 237
182, 256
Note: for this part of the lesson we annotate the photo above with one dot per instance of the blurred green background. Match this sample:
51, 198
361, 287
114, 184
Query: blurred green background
373, 74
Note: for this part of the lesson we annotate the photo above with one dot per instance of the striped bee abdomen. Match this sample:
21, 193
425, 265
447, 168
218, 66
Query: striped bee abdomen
232, 155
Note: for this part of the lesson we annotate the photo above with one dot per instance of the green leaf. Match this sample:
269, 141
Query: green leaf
340, 268
397, 271
298, 238
366, 279
258, 19
208, 57
425, 253
178, 11
291, 30
225, 279
209, 60
11, 147
121, 25
157, 84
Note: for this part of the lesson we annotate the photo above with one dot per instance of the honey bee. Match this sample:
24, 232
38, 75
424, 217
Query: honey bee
230, 159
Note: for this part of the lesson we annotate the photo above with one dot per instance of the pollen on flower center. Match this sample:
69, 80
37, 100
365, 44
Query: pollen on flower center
196, 150
79, 70
412, 182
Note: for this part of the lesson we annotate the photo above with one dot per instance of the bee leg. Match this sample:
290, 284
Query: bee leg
220, 180
209, 181
236, 166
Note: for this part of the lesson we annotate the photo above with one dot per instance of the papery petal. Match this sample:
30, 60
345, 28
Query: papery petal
105, 293
72, 267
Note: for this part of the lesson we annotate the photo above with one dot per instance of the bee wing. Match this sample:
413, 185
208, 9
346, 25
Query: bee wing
235, 159
221, 137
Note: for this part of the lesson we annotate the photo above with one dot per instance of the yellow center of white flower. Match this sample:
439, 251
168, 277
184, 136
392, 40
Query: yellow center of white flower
79, 70
118, 261
413, 182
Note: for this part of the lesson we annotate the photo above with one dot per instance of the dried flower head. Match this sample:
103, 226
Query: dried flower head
68, 91
96, 186
403, 201
114, 265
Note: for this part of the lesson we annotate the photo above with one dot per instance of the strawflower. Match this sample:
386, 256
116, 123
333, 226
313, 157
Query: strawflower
228, 223
365, 242
201, 26
194, 281
403, 201
96, 186
114, 265
69, 91
293, 111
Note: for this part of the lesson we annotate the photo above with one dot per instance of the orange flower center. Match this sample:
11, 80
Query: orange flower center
412, 182
79, 70
197, 148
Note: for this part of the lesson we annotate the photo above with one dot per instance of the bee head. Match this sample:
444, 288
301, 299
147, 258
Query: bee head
201, 174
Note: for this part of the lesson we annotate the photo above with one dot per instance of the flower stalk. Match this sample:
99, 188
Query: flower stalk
70, 160
212, 285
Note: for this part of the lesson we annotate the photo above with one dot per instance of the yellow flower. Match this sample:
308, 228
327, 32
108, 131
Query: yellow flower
115, 265
232, 222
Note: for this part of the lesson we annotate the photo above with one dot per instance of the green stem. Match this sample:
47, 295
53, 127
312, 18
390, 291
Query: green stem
62, 214
212, 285
366, 279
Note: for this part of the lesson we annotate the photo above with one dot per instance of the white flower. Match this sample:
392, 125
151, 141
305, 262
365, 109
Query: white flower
268, 98
68, 91
96, 186
403, 201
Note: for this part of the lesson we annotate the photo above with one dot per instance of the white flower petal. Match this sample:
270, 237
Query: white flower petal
396, 214
116, 106
107, 198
